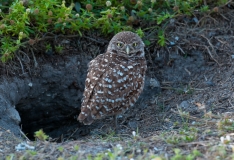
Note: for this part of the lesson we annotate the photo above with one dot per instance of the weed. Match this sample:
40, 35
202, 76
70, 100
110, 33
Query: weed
41, 135
184, 90
60, 148
179, 156
181, 136
58, 49
76, 148
10, 157
161, 38
204, 8
225, 125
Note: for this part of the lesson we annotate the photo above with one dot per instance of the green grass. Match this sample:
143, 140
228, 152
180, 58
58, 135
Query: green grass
22, 22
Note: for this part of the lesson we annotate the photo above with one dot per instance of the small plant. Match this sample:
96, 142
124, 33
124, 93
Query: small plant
183, 135
161, 38
140, 32
41, 135
163, 17
60, 148
111, 137
60, 158
48, 48
58, 49
179, 156
76, 148
10, 157
184, 90
8, 48
219, 151
225, 125
204, 8
32, 153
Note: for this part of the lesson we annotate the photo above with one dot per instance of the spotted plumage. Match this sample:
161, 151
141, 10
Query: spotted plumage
115, 79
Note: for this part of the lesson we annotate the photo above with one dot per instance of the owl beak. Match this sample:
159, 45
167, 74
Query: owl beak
127, 49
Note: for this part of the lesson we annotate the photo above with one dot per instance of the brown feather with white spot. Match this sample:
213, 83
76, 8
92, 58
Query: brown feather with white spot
115, 79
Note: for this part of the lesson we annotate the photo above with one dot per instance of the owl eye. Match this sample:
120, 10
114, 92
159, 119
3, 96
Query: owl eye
135, 44
119, 44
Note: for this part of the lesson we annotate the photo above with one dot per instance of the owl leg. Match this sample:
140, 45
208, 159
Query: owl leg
115, 122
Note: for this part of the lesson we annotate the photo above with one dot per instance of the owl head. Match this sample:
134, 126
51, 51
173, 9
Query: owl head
127, 44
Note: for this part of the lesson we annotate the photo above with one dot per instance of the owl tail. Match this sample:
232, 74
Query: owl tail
85, 117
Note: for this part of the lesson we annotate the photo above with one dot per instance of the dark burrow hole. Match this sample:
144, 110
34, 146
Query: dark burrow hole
51, 100
55, 119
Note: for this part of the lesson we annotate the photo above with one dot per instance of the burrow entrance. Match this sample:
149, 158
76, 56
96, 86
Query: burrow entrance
48, 100
49, 113
54, 99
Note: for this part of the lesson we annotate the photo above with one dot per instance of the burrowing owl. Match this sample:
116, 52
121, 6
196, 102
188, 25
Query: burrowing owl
115, 79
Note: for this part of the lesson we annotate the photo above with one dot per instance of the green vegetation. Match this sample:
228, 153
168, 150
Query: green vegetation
179, 156
26, 22
181, 136
41, 135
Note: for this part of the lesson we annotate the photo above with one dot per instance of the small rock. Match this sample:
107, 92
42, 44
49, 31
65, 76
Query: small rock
23, 146
65, 42
156, 149
184, 105
172, 21
195, 20
154, 83
172, 43
132, 124
209, 83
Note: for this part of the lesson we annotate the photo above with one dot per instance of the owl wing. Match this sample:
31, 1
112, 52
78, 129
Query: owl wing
111, 87
97, 68
118, 88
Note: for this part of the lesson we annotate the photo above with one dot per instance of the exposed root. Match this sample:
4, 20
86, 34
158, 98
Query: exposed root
201, 20
211, 55
34, 58
22, 133
181, 49
21, 64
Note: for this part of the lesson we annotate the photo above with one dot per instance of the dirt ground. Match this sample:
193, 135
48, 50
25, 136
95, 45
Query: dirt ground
196, 75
